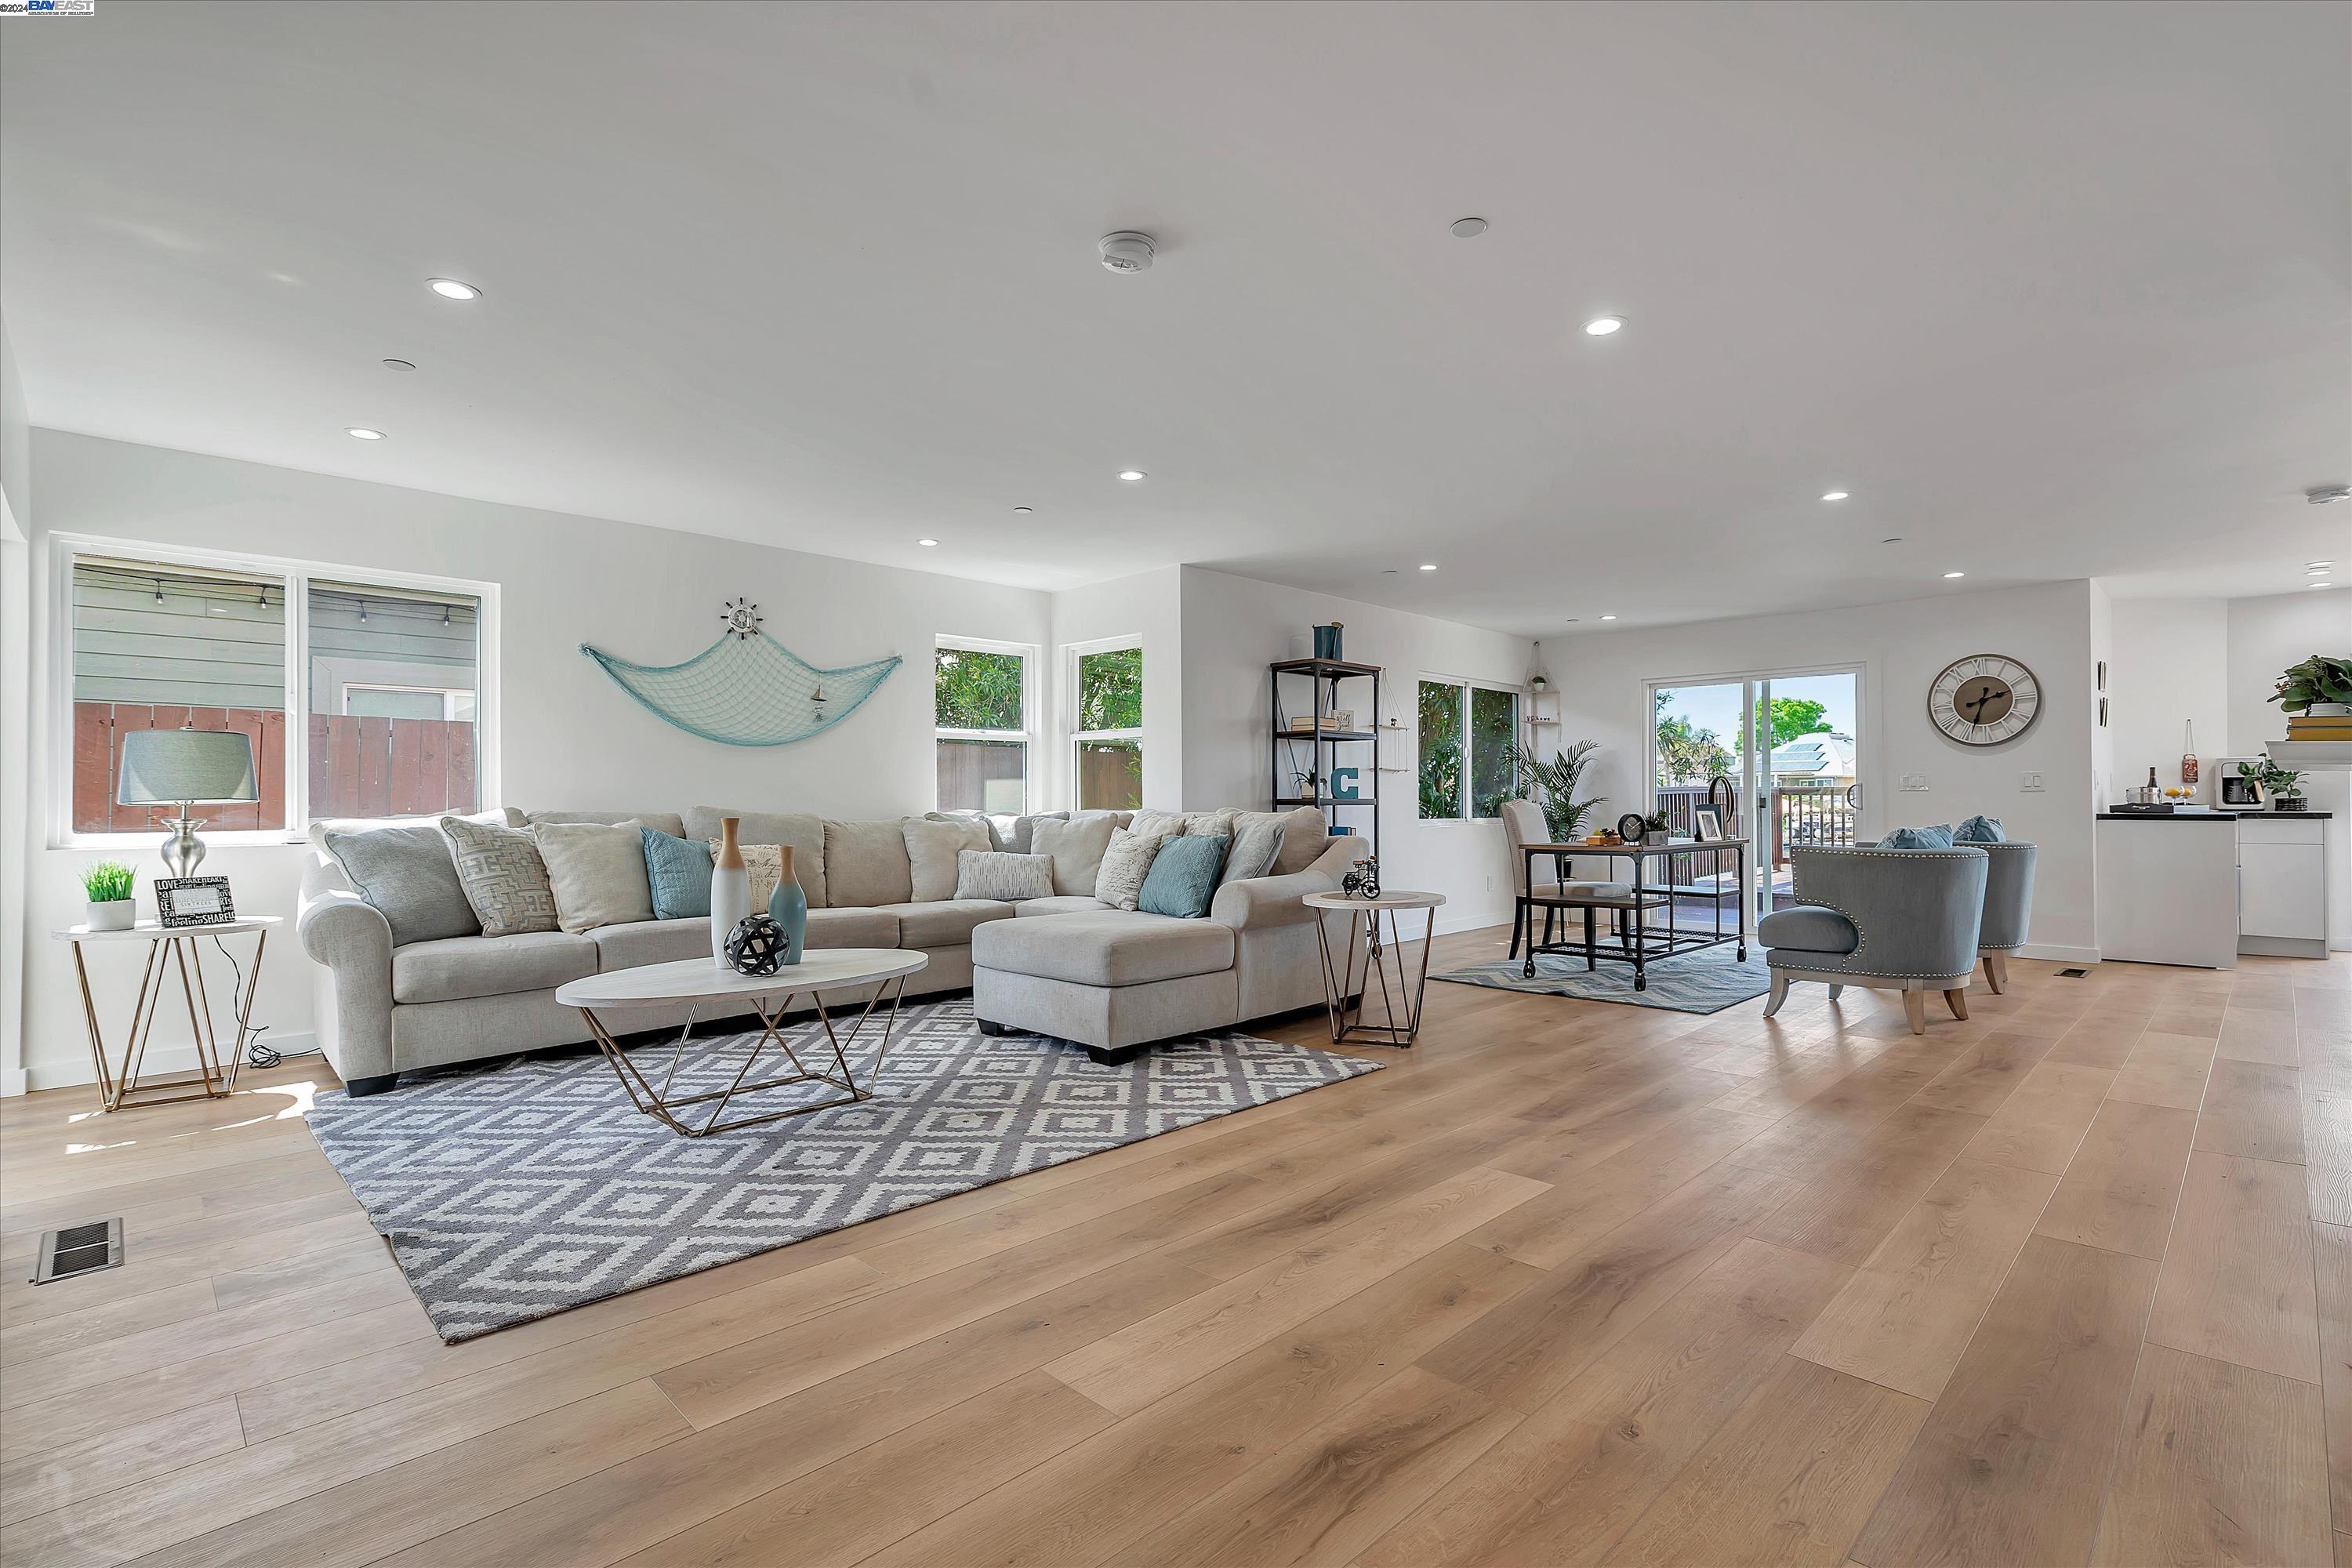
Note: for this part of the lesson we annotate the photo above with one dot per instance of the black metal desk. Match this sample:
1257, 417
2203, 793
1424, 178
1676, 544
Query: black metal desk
1643, 945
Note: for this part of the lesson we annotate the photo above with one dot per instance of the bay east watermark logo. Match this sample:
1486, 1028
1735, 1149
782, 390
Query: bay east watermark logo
47, 8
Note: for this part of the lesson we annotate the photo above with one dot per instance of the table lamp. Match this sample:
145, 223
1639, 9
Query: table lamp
185, 767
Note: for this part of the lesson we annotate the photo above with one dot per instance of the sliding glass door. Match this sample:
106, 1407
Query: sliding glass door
1773, 757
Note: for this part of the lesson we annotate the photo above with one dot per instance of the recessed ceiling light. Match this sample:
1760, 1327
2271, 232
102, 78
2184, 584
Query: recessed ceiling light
2319, 585
2317, 566
1834, 495
1130, 475
926, 543
450, 289
1608, 617
1955, 574
1468, 227
364, 434
1024, 509
1429, 565
1388, 571
1602, 326
1892, 538
399, 365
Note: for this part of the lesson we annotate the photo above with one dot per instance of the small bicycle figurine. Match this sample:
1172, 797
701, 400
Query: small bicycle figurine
1364, 880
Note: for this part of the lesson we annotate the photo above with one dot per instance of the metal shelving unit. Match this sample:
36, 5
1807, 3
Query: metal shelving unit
1299, 762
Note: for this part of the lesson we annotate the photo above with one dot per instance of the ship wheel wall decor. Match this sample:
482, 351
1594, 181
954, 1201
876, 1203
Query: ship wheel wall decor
746, 689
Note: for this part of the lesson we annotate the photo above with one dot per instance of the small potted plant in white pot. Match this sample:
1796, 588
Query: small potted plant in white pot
106, 885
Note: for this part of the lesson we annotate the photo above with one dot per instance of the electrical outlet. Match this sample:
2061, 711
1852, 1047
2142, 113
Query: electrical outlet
1914, 782
2033, 781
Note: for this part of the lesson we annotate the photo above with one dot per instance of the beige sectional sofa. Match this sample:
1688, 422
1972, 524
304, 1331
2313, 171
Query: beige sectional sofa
1068, 965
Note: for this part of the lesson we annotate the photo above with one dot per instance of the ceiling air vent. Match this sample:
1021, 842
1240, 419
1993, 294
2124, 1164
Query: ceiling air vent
79, 1249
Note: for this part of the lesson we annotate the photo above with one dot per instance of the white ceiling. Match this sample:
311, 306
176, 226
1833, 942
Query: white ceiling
2055, 291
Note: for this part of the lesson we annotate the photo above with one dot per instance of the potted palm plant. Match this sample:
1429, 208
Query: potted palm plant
106, 885
1553, 785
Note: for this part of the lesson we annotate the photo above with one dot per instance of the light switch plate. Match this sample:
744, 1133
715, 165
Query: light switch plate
1914, 782
2033, 781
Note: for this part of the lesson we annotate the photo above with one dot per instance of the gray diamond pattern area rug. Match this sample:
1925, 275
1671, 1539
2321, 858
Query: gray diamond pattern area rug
1706, 980
517, 1191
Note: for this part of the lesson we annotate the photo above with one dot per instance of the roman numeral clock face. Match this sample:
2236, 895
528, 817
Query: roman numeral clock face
1984, 700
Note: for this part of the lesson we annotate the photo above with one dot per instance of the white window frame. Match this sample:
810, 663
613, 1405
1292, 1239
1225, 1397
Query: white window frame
1026, 734
65, 548
1077, 737
1467, 683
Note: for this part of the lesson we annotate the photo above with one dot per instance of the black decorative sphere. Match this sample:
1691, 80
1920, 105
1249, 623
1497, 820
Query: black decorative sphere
756, 946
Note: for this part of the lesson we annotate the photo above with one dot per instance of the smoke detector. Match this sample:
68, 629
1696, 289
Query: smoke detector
2318, 497
1126, 251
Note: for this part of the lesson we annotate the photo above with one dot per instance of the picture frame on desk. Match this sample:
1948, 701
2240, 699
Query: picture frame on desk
193, 901
1707, 824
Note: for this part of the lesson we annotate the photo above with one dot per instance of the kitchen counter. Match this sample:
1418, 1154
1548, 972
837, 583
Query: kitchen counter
2168, 894
2227, 817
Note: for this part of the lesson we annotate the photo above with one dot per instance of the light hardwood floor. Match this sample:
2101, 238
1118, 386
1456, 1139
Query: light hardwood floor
2068, 1282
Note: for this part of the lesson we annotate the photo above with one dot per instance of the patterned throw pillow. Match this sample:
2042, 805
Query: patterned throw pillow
1008, 879
1124, 864
504, 877
1183, 877
1980, 830
765, 862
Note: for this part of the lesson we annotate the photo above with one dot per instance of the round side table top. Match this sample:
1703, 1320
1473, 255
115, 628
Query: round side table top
699, 979
148, 931
1390, 899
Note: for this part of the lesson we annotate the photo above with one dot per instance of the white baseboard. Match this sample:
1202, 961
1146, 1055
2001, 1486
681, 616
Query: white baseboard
11, 1082
2057, 954
162, 1061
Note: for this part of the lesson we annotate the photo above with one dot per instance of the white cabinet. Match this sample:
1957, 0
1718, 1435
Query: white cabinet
2281, 886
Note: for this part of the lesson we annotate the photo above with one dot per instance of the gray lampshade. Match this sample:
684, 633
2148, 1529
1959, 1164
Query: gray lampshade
162, 767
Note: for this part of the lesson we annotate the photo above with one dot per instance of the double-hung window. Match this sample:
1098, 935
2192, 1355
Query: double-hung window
1107, 728
1468, 749
363, 695
983, 697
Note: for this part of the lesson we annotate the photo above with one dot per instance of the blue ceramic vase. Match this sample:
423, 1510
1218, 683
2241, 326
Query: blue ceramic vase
788, 907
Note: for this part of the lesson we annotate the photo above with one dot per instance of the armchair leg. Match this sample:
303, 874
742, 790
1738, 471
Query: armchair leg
1914, 1008
1779, 994
1995, 968
1957, 1001
1836, 990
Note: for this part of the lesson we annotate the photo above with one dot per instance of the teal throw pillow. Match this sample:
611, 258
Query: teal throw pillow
1184, 877
1979, 830
1937, 838
679, 872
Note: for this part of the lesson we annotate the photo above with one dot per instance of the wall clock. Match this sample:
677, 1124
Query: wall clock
1984, 700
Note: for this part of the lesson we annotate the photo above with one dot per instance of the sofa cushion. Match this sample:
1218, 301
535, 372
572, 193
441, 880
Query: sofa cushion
1076, 844
866, 866
667, 821
1258, 843
1113, 948
451, 969
504, 879
932, 844
993, 826
1305, 836
1019, 835
803, 831
1151, 824
946, 922
409, 875
853, 927
1183, 877
1074, 904
986, 874
598, 873
1807, 928
677, 870
636, 944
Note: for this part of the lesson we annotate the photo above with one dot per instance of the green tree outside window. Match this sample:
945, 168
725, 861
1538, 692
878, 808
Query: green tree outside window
1441, 749
977, 691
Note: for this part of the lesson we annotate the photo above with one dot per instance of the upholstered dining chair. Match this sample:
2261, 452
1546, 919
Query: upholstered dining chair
1523, 823
2007, 906
1894, 919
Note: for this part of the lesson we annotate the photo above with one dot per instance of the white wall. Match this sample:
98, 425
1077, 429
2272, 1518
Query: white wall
2268, 634
1236, 626
1900, 648
569, 738
2169, 668
1148, 604
15, 689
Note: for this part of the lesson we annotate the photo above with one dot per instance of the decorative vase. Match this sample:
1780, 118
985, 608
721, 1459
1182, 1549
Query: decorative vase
788, 907
1326, 640
115, 915
730, 889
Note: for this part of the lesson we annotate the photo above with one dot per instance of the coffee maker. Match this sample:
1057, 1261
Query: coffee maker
2233, 790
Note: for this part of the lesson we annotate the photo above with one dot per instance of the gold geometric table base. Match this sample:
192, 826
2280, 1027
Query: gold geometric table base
118, 1087
1400, 994
656, 1101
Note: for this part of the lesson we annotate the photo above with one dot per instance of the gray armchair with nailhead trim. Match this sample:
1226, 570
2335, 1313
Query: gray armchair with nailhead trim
1894, 920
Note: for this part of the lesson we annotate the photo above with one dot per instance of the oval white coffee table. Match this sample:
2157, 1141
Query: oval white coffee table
697, 981
1403, 1009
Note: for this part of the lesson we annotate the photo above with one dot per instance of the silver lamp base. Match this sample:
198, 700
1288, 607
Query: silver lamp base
184, 851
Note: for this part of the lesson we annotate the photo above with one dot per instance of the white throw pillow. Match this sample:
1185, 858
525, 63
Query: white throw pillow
1076, 847
598, 873
933, 843
1166, 824
1125, 864
1008, 879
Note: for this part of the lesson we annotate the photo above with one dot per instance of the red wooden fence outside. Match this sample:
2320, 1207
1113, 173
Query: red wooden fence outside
358, 766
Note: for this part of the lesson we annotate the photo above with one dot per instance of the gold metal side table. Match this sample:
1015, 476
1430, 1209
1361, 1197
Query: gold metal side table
1400, 994
169, 947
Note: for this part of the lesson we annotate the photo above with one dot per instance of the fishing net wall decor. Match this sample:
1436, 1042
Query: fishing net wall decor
746, 689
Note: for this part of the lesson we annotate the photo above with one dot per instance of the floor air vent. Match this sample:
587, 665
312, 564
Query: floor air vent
2073, 973
79, 1249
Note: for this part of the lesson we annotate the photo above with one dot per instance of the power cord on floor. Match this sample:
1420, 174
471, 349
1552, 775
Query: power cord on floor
256, 1055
